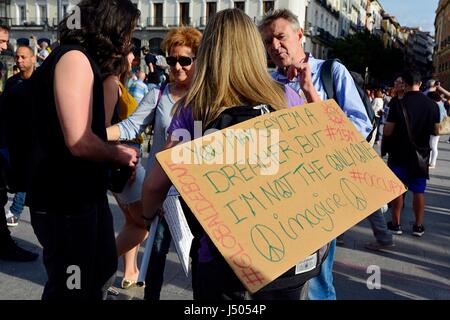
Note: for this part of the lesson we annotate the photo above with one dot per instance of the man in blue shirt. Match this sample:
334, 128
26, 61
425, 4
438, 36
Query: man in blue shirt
282, 36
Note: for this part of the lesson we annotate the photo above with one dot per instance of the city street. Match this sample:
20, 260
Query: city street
416, 268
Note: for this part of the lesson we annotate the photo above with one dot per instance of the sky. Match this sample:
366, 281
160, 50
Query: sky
413, 13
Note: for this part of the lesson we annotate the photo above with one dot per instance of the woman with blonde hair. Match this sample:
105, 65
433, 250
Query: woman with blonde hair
231, 71
156, 109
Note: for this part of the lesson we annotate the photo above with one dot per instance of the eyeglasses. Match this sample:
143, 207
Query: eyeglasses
182, 60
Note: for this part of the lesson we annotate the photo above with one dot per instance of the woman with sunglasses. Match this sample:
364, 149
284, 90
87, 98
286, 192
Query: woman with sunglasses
156, 108
231, 71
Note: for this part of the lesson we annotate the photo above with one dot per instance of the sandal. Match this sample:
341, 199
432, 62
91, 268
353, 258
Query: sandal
128, 283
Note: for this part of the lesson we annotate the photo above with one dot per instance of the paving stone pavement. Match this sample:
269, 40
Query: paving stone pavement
416, 268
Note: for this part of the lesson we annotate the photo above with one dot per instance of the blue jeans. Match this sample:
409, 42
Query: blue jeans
321, 287
18, 203
379, 228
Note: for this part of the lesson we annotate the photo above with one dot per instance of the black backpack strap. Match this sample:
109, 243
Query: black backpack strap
326, 75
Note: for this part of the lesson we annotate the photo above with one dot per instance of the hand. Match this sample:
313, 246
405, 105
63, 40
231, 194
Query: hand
126, 155
133, 175
301, 71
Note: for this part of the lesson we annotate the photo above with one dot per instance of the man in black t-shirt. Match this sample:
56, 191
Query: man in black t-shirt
9, 250
25, 62
423, 116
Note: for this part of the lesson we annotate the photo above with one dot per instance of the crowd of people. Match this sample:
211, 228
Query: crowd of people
92, 111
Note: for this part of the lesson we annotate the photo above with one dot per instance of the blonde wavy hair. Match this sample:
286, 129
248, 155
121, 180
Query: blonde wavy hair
231, 69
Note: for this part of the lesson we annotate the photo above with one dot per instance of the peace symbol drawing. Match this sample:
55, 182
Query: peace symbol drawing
268, 244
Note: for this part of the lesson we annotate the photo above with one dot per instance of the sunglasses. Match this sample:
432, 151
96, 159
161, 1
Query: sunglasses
183, 61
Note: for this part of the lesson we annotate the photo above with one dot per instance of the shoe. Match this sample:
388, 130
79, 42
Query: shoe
395, 229
12, 252
418, 231
431, 167
127, 284
376, 246
12, 221
384, 209
113, 291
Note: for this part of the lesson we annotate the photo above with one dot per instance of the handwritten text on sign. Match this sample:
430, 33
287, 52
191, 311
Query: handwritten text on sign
326, 179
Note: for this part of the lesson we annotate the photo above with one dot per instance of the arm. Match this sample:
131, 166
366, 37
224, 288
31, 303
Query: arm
388, 129
111, 96
442, 90
155, 188
136, 123
73, 87
348, 98
150, 68
436, 129
113, 133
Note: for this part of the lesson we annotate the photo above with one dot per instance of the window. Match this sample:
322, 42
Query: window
211, 8
239, 5
65, 10
43, 14
268, 6
157, 14
184, 13
22, 14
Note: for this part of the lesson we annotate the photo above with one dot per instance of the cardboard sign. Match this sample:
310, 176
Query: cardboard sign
272, 190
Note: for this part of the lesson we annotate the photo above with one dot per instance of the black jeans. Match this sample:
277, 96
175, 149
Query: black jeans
79, 251
5, 235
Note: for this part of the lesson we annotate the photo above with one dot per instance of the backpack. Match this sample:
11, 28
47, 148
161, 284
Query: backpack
291, 279
326, 76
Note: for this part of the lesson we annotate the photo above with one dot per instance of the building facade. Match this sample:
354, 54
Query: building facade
374, 17
419, 52
40, 17
442, 48
322, 26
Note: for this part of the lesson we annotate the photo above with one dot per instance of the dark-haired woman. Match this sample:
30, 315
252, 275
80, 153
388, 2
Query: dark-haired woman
70, 158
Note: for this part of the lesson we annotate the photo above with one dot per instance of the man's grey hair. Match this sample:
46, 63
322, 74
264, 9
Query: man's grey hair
431, 83
285, 14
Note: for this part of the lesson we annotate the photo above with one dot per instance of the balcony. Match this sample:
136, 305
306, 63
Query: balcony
168, 22
334, 12
31, 23
5, 21
325, 36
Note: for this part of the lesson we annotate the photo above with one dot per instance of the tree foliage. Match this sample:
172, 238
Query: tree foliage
362, 50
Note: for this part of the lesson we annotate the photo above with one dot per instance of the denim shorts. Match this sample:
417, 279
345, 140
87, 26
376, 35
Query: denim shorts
416, 185
133, 190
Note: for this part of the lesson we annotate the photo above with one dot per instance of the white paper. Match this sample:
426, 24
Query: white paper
178, 226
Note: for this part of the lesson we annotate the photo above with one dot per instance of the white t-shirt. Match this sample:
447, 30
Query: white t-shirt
377, 105
43, 53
